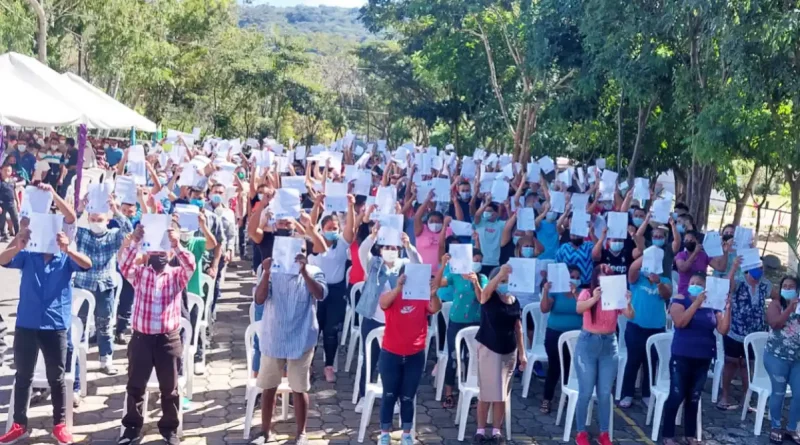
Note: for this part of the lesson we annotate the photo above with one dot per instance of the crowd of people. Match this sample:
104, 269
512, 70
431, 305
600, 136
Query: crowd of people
316, 222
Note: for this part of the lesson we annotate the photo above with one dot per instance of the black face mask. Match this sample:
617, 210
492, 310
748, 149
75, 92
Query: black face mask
727, 237
691, 245
157, 262
283, 232
576, 241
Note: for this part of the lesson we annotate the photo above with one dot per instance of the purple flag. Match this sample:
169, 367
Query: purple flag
79, 167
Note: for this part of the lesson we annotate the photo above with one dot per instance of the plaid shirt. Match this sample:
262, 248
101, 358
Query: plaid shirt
102, 250
157, 296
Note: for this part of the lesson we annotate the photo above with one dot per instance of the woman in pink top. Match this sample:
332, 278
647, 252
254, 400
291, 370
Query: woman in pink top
596, 358
427, 234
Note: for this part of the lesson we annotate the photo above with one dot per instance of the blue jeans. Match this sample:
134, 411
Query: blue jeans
782, 372
687, 378
124, 307
103, 310
367, 325
596, 358
400, 376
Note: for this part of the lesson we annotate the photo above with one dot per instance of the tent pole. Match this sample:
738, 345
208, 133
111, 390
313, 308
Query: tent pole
79, 167
133, 136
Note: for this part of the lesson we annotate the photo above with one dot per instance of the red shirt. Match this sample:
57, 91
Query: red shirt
356, 271
406, 327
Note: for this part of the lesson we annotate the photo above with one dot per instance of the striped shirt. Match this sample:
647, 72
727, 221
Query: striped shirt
157, 296
289, 325
581, 257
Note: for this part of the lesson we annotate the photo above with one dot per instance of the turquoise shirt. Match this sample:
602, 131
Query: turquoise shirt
564, 314
649, 307
466, 307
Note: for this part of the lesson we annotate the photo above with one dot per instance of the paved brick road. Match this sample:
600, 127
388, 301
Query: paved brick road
217, 411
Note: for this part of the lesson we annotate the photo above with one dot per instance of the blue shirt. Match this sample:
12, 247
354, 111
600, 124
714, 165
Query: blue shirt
45, 290
113, 156
564, 313
490, 233
547, 234
649, 307
102, 250
697, 339
27, 162
581, 257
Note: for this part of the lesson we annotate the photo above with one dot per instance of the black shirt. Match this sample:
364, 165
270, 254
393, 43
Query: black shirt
451, 210
498, 324
622, 261
7, 191
71, 158
265, 246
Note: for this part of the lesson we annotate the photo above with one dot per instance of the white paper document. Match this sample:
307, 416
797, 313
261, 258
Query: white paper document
717, 290
441, 189
285, 204
386, 200
617, 225
294, 182
523, 275
125, 190
614, 292
284, 254
418, 282
751, 259
653, 261
712, 244
525, 219
499, 191
461, 228
155, 232
188, 217
641, 190
44, 228
35, 200
98, 195
662, 210
534, 171
558, 276
579, 226
558, 202
742, 238
608, 185
391, 230
579, 201
547, 164
460, 259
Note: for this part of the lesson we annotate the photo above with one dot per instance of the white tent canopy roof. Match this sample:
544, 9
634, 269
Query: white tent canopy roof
34, 95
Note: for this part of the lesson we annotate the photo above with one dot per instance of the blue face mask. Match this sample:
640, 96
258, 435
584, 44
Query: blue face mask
515, 239
331, 236
502, 288
477, 266
638, 221
197, 202
575, 282
527, 252
681, 228
659, 242
756, 274
789, 294
616, 246
551, 216
216, 199
488, 215
695, 290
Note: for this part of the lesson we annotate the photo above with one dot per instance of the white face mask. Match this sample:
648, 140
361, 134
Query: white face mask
390, 256
186, 236
97, 228
435, 227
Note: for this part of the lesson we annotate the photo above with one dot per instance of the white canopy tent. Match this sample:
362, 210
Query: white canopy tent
120, 112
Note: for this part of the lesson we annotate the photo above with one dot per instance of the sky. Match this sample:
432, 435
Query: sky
342, 3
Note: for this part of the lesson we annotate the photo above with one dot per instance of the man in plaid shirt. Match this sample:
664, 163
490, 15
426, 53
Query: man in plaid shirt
156, 339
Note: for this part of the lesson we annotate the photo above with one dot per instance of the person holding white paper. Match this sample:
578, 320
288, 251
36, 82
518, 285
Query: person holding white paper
596, 357
402, 356
489, 227
665, 237
563, 317
618, 254
693, 259
578, 252
650, 292
694, 345
43, 321
727, 235
781, 359
500, 345
428, 235
511, 243
463, 204
748, 300
381, 276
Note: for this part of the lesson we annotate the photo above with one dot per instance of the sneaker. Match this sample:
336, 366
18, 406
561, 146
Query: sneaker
131, 436
199, 368
478, 438
497, 439
385, 439
604, 439
15, 434
62, 435
626, 402
330, 374
406, 439
538, 370
582, 438
4, 239
186, 403
360, 406
76, 399
301, 440
39, 395
120, 339
107, 367
261, 439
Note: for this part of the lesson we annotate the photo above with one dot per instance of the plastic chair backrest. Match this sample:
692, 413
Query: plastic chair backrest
539, 325
720, 347
444, 312
347, 272
662, 343
79, 297
675, 279
467, 335
355, 290
118, 283
252, 312
446, 306
194, 301
186, 325
207, 287
570, 339
249, 342
758, 341
374, 335
622, 324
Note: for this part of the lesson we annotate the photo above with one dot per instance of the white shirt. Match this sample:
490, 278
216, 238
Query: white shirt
333, 261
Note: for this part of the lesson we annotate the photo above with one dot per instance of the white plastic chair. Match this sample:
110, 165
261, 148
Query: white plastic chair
193, 301
569, 392
350, 309
207, 285
374, 391
81, 347
660, 386
152, 383
40, 378
252, 390
622, 324
716, 372
444, 353
433, 330
252, 312
534, 350
118, 283
758, 377
468, 382
355, 331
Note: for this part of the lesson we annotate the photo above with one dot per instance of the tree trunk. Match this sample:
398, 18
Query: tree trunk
701, 181
741, 203
794, 211
641, 126
41, 37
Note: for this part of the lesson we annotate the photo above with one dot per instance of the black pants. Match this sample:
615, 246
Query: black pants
145, 352
124, 307
636, 342
242, 240
330, 316
687, 379
553, 367
9, 208
53, 344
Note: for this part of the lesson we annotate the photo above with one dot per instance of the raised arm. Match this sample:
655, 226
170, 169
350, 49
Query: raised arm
597, 250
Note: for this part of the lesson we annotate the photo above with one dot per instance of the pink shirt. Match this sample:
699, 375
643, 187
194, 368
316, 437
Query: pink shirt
428, 247
604, 321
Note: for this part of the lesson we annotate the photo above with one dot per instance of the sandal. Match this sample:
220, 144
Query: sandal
544, 408
727, 406
449, 402
776, 436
